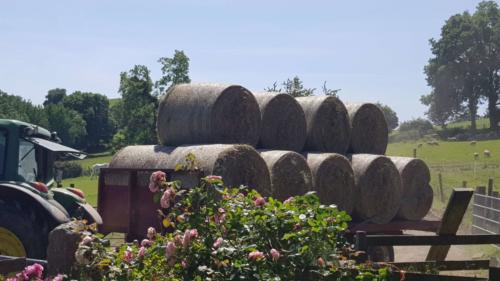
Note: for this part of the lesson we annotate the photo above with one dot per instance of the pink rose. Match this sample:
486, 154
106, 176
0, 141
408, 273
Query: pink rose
170, 249
260, 201
213, 179
189, 234
275, 254
59, 277
87, 240
151, 234
142, 251
218, 242
184, 264
153, 187
289, 200
146, 243
255, 256
167, 196
219, 218
128, 256
321, 262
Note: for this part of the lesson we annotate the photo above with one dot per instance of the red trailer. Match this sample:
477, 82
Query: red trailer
125, 202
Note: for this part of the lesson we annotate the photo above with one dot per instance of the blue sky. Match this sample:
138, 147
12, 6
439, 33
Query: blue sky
372, 50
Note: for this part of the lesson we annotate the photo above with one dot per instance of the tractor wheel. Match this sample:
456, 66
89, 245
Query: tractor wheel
381, 253
24, 230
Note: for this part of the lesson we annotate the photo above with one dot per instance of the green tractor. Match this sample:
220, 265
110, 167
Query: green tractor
30, 203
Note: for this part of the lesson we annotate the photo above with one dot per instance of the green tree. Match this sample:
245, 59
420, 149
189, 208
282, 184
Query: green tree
464, 69
295, 88
137, 113
390, 116
15, 107
420, 125
175, 70
69, 124
94, 110
54, 96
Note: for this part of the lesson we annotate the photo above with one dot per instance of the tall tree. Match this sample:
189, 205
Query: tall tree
486, 21
390, 116
464, 69
54, 96
139, 106
69, 125
175, 70
94, 110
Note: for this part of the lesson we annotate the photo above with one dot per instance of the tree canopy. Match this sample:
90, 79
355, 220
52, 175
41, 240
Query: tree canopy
465, 67
390, 116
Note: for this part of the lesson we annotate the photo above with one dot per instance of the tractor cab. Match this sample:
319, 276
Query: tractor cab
30, 205
28, 152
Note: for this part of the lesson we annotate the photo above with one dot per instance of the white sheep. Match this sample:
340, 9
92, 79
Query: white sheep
473, 143
487, 153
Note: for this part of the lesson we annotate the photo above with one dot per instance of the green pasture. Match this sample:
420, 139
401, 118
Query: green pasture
481, 123
456, 163
85, 183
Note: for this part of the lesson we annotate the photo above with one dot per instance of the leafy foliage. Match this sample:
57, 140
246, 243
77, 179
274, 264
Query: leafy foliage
390, 116
68, 123
175, 70
419, 125
295, 88
211, 233
465, 67
15, 107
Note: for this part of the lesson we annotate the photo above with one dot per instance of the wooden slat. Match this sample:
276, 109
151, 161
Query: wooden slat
452, 217
422, 240
443, 265
397, 226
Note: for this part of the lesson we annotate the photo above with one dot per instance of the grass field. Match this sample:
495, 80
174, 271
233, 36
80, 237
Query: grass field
85, 183
455, 161
481, 123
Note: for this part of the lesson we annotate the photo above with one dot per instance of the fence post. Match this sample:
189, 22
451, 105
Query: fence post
464, 184
414, 153
452, 217
496, 206
494, 271
441, 193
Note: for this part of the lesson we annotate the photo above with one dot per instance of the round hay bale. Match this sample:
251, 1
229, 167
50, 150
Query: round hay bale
378, 187
369, 131
283, 125
333, 179
417, 194
327, 122
290, 174
236, 164
208, 113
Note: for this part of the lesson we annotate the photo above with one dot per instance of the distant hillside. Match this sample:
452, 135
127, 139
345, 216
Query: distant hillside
113, 101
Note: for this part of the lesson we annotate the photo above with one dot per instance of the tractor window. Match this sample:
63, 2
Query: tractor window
27, 161
3, 147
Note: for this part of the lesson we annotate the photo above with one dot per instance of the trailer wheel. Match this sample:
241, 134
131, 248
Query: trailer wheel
381, 253
23, 230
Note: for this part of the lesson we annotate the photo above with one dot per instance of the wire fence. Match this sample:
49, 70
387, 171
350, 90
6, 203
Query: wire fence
486, 211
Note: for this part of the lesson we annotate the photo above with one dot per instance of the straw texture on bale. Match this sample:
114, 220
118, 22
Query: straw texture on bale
327, 122
333, 179
417, 194
283, 125
289, 173
237, 164
378, 185
208, 113
369, 132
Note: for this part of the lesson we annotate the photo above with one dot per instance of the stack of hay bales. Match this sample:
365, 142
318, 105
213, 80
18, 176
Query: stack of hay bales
284, 146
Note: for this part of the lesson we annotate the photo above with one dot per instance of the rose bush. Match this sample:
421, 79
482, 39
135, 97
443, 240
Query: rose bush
215, 233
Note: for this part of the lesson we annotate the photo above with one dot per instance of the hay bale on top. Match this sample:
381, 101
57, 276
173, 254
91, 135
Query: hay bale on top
378, 185
237, 164
327, 121
369, 131
208, 113
333, 179
283, 124
417, 194
290, 174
